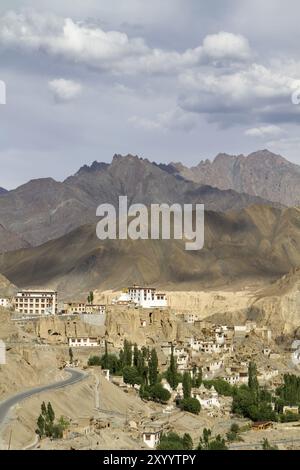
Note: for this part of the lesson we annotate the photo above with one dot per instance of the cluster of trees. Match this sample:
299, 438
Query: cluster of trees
46, 424
289, 391
207, 442
138, 367
172, 441
252, 401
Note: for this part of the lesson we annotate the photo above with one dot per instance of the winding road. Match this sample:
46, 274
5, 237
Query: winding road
5, 406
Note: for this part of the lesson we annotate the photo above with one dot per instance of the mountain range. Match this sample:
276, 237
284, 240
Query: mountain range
261, 173
47, 228
44, 209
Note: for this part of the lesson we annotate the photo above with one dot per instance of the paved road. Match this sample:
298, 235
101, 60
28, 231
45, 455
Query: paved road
75, 376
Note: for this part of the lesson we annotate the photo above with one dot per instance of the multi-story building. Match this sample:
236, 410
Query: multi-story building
36, 302
147, 297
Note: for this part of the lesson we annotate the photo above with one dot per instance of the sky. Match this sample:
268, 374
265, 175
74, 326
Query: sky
171, 80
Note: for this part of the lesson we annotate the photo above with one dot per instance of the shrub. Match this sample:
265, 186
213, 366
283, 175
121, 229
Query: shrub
191, 405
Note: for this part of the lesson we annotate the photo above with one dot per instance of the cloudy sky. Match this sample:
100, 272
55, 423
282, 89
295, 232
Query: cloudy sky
171, 80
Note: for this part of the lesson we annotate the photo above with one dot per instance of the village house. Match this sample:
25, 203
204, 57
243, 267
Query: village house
182, 361
190, 318
36, 302
5, 302
210, 347
166, 347
83, 342
82, 307
147, 297
151, 435
232, 379
95, 309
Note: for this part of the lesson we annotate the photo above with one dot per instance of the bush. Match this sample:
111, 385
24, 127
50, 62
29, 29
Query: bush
173, 441
267, 446
233, 434
221, 386
159, 393
94, 361
191, 405
155, 393
289, 417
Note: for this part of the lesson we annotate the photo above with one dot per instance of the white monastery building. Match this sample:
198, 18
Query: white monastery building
147, 297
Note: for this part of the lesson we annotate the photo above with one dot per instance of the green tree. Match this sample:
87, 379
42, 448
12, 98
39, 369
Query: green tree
44, 409
135, 355
171, 375
50, 413
191, 405
71, 355
131, 376
142, 368
127, 353
153, 367
111, 362
40, 426
187, 385
187, 442
252, 377
90, 298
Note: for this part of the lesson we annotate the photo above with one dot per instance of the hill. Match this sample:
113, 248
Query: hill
258, 242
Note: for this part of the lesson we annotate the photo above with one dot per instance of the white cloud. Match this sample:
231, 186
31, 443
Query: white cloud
173, 119
253, 92
264, 131
64, 90
226, 46
113, 51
